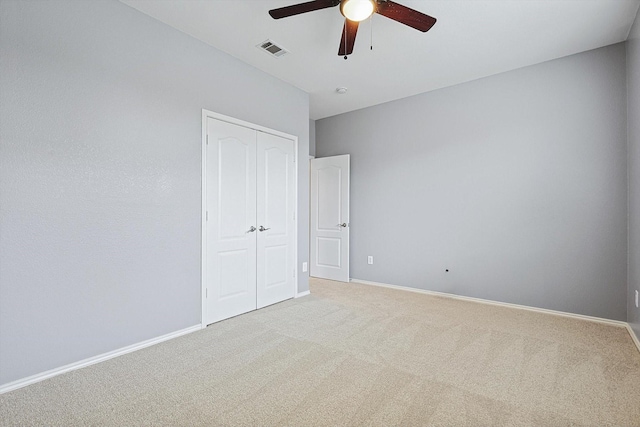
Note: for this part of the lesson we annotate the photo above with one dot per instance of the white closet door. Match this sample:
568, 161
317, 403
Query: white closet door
276, 222
231, 206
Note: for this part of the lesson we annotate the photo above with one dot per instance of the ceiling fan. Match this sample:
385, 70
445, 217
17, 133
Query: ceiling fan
355, 11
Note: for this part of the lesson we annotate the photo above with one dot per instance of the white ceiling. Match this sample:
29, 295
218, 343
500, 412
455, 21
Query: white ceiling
472, 39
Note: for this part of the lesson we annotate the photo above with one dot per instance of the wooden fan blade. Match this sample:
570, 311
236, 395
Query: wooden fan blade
297, 9
348, 37
406, 16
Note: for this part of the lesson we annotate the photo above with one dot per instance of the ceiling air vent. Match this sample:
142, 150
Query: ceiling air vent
272, 48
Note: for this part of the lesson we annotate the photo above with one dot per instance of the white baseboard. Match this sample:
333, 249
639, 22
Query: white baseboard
4, 388
617, 323
633, 336
302, 294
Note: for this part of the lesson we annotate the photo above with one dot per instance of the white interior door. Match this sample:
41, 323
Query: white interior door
329, 250
231, 227
276, 220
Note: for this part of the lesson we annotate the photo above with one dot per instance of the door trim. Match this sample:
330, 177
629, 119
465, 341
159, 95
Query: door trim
203, 193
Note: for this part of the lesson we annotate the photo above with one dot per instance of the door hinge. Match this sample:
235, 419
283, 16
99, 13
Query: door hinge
206, 292
207, 139
207, 215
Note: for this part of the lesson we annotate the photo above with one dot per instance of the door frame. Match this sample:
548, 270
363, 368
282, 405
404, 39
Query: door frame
203, 214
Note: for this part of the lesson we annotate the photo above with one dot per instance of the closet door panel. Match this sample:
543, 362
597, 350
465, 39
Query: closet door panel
275, 214
231, 206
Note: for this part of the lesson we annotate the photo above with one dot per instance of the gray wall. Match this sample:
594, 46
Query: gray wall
100, 142
633, 99
312, 137
517, 183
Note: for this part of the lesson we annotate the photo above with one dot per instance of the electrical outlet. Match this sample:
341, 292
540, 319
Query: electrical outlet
636, 298
304, 267
370, 260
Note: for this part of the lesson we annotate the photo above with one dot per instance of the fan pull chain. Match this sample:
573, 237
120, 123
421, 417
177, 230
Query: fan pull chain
345, 40
371, 26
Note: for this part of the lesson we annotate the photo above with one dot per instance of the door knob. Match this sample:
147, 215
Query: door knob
252, 229
344, 224
263, 229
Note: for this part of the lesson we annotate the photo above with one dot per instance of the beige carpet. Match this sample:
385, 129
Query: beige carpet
357, 355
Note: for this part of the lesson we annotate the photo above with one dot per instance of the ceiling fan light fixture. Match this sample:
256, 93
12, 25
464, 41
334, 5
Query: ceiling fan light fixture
357, 10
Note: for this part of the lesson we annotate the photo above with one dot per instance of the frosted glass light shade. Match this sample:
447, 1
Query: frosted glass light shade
357, 10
